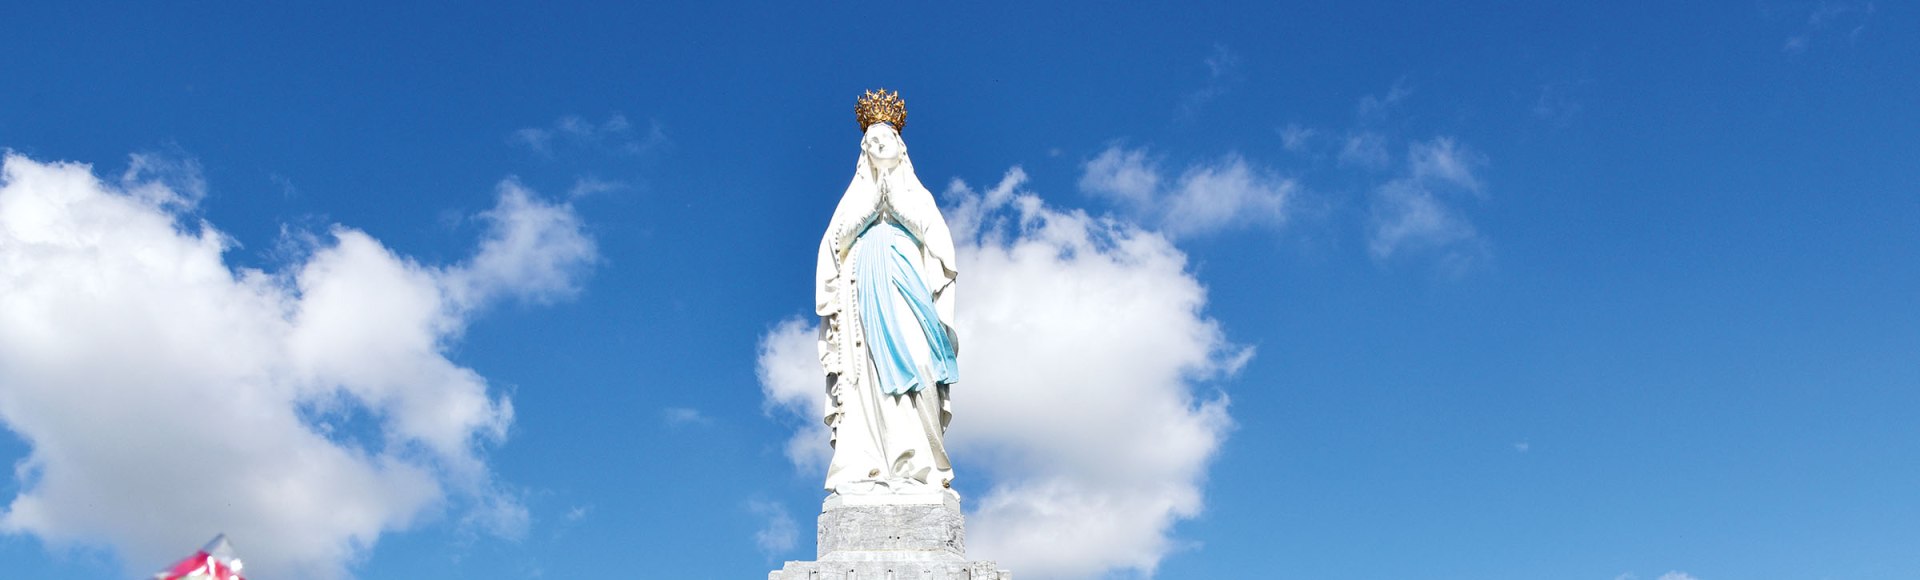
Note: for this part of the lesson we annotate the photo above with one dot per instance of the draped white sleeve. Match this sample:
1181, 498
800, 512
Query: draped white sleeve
857, 207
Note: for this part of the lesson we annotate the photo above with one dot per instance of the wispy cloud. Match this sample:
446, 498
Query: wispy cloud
1223, 73
1406, 214
1559, 103
777, 534
588, 185
682, 416
1828, 20
1124, 174
167, 177
1297, 139
1375, 108
1365, 150
1673, 575
1411, 212
1444, 160
615, 135
1413, 202
1205, 197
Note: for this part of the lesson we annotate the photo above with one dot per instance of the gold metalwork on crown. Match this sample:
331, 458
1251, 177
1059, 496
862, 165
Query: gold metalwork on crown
881, 107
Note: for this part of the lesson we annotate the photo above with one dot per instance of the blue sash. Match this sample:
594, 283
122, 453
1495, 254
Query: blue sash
883, 271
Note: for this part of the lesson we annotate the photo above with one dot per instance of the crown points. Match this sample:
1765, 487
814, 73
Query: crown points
881, 107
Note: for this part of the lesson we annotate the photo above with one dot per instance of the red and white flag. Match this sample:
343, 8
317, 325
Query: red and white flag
213, 562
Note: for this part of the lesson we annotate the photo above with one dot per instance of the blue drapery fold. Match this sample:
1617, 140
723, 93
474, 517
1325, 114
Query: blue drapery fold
883, 271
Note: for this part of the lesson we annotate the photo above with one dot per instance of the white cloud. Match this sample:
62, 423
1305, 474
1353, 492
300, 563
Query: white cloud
166, 396
1122, 173
1228, 191
778, 534
1206, 197
1408, 213
1084, 425
532, 251
793, 388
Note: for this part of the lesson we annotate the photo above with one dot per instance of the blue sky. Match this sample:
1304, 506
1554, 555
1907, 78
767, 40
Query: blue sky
1447, 291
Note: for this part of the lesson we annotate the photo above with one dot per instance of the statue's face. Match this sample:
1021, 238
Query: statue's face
882, 145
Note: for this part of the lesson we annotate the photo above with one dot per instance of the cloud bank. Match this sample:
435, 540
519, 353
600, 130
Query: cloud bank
166, 396
1084, 351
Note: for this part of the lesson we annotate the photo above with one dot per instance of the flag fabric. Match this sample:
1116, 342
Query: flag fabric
216, 561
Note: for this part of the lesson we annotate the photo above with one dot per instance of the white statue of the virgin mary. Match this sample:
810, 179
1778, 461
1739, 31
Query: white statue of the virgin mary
885, 291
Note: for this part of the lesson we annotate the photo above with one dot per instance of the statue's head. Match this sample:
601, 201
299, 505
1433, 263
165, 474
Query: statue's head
882, 146
882, 114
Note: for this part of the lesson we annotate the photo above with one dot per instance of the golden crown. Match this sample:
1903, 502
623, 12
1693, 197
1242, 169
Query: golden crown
881, 107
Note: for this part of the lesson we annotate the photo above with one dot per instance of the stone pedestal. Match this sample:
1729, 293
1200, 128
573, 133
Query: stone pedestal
891, 537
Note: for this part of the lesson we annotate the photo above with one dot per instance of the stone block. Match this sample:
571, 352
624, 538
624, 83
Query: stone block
891, 537
891, 524
975, 570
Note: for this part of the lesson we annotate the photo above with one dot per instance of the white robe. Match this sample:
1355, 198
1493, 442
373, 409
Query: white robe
882, 442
